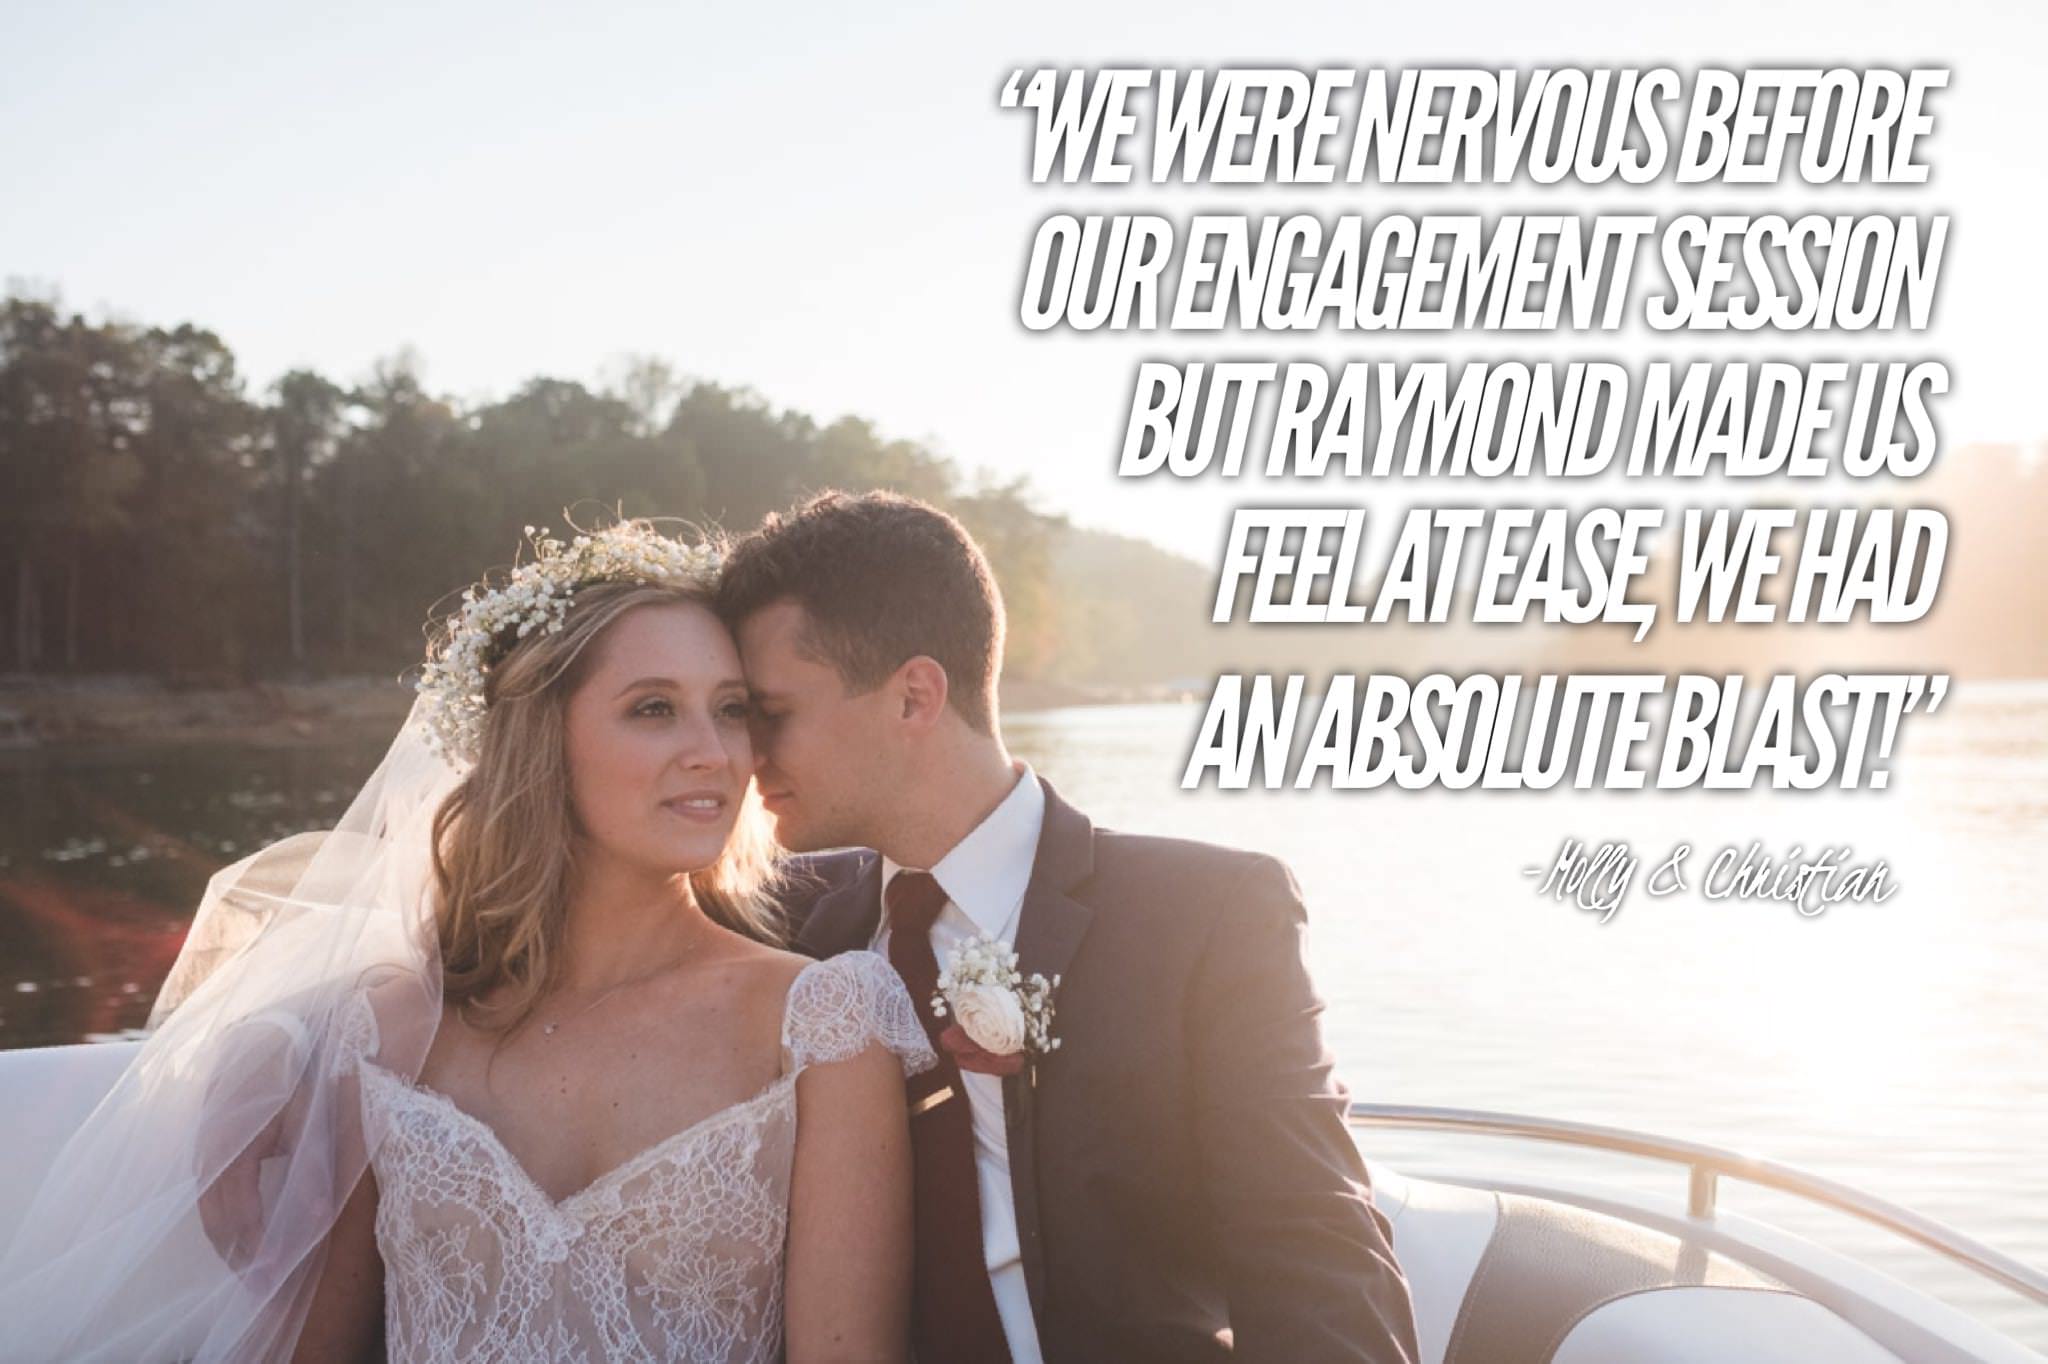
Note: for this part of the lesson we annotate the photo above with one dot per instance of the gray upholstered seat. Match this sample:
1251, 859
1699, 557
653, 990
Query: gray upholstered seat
1716, 1326
1504, 1279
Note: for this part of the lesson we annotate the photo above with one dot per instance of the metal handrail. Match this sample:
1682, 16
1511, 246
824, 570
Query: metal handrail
1707, 1165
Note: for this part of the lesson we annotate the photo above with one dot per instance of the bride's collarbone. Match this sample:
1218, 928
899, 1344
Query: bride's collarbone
572, 1105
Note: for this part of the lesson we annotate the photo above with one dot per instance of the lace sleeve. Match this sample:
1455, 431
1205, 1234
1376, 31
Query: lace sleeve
839, 1006
355, 1035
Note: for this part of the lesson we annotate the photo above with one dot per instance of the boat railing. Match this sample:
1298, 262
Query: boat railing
1708, 1166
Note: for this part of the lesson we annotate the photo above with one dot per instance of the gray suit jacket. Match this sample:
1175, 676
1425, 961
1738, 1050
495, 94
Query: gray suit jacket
1186, 1189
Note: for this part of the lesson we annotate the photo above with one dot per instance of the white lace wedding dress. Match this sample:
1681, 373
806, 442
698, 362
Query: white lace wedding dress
675, 1255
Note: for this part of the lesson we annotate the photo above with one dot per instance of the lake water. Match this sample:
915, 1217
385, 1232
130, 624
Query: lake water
1900, 1047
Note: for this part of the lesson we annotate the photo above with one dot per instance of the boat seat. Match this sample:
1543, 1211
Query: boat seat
1505, 1279
47, 1094
1698, 1325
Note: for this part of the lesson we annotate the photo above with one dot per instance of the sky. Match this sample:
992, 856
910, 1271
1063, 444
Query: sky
826, 204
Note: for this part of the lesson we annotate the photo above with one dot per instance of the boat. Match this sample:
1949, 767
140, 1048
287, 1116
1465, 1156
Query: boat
1511, 1267
1505, 1266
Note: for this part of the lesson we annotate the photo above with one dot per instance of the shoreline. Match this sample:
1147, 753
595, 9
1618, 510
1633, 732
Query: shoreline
60, 714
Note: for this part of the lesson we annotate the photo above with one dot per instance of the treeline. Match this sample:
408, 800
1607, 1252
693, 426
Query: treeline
159, 517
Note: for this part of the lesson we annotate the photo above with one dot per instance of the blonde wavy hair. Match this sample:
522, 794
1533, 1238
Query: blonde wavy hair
505, 839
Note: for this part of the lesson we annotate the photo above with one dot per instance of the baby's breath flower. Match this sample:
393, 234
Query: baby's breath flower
979, 976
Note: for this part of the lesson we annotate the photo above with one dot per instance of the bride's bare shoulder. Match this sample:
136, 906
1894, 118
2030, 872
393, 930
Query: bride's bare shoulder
765, 970
392, 1013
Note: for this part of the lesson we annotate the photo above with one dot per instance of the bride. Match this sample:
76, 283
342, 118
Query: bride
508, 1066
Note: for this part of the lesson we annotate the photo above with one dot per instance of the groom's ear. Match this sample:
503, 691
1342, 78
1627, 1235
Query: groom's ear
921, 691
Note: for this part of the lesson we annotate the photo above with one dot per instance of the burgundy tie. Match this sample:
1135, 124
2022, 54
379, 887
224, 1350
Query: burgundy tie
953, 1316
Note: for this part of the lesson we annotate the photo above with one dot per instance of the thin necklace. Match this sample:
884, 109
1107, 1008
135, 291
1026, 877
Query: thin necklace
548, 1029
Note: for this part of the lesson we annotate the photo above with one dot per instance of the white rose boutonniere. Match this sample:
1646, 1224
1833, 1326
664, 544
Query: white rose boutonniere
1000, 1016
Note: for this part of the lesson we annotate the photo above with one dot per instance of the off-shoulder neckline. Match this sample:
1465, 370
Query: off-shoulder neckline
633, 1164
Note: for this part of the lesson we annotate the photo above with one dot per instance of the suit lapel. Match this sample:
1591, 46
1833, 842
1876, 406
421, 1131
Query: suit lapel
846, 918
1049, 931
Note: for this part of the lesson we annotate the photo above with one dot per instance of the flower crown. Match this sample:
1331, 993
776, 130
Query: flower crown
536, 596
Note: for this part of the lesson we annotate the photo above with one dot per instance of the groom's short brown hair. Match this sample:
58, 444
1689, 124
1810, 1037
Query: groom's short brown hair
881, 579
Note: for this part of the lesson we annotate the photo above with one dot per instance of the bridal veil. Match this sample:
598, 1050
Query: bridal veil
186, 1219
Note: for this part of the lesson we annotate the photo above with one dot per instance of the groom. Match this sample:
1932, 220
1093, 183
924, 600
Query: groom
1175, 1182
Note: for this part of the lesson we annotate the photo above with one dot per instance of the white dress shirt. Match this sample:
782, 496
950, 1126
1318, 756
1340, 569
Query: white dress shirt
985, 877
